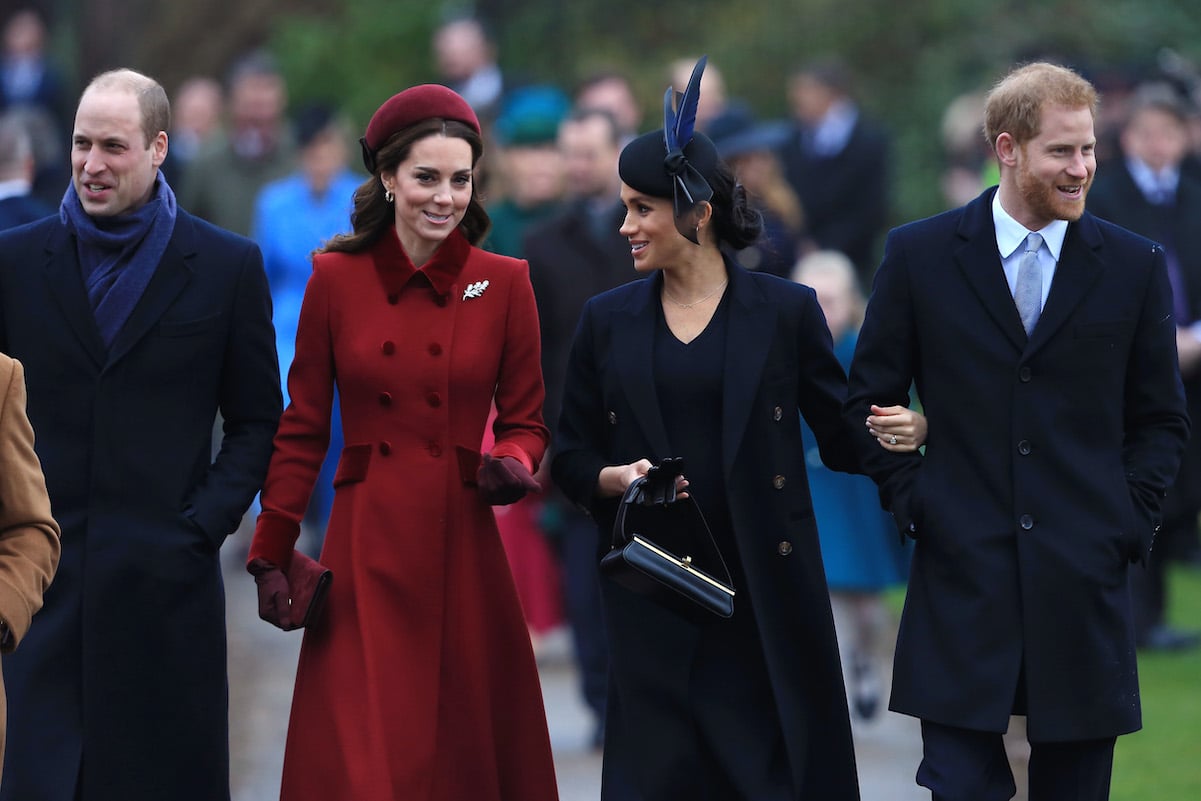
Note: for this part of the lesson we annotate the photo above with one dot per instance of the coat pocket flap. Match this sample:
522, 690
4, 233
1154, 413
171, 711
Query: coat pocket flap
352, 466
469, 465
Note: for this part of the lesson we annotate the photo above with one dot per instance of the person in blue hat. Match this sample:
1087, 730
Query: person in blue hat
704, 360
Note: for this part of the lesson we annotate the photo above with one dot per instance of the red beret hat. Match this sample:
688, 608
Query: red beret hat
414, 104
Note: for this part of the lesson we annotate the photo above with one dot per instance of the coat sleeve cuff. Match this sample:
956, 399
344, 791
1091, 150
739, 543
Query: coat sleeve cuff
274, 538
16, 614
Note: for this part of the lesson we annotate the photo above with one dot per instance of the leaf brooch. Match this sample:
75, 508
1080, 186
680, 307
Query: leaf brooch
475, 290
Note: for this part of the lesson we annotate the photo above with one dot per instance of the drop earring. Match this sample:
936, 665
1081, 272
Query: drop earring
388, 196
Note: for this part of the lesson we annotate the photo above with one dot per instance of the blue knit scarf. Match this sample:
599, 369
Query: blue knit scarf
118, 255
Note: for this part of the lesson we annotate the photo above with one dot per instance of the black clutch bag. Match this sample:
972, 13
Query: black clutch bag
653, 528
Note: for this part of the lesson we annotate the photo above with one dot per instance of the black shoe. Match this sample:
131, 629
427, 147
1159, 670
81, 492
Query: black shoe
865, 688
1166, 638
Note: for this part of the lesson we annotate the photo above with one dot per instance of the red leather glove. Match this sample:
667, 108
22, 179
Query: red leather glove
504, 481
275, 605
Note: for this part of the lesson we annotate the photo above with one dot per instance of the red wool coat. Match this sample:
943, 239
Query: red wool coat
418, 682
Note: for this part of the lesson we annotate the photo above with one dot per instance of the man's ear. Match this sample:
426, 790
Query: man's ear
1007, 149
159, 148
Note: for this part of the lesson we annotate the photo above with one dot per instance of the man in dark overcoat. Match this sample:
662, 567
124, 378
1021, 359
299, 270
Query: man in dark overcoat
837, 161
1043, 347
17, 203
137, 324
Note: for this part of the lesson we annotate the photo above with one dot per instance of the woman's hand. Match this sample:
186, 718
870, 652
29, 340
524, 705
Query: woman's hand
897, 428
614, 480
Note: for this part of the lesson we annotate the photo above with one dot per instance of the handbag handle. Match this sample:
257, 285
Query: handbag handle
634, 495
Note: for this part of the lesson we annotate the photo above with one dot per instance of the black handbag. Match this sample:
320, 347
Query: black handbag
651, 529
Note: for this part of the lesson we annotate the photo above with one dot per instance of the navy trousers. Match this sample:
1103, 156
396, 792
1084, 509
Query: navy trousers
965, 765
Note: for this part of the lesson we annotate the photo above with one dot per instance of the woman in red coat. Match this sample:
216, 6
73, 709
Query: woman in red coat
417, 681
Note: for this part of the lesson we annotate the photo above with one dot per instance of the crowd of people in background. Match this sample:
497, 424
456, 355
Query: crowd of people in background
245, 158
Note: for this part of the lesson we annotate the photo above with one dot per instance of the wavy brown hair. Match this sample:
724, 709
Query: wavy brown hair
372, 214
1016, 103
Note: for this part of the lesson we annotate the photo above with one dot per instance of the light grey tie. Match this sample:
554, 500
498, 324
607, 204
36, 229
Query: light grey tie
1028, 294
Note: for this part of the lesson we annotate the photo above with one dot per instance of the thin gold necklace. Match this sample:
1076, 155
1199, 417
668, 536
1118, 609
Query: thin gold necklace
669, 296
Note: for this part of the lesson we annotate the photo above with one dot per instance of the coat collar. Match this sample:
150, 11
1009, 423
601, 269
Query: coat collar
976, 254
65, 284
395, 269
751, 326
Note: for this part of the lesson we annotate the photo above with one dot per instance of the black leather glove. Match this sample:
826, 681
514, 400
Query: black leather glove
504, 481
660, 486
275, 604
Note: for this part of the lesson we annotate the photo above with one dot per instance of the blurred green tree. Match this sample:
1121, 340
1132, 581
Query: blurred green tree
908, 62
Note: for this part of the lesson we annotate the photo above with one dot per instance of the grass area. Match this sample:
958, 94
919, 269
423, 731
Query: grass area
1163, 761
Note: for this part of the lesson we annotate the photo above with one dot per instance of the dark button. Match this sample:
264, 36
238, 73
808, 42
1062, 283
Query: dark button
393, 298
385, 448
440, 300
612, 418
784, 548
778, 482
1027, 522
1024, 448
385, 399
388, 347
435, 349
435, 450
777, 414
434, 399
1024, 375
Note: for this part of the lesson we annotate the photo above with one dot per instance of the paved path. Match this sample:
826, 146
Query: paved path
262, 663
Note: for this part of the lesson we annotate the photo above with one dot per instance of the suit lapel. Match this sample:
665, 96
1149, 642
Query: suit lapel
1078, 269
170, 277
634, 340
66, 287
980, 264
751, 329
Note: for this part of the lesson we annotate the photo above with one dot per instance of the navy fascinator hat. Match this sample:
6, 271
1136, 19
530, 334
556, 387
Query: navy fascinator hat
676, 161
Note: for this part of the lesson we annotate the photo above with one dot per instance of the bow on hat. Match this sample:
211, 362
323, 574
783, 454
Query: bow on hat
689, 187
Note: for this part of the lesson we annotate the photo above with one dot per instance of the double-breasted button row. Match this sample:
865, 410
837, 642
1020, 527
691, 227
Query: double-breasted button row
385, 448
784, 548
385, 399
387, 347
1025, 448
433, 399
1026, 522
777, 414
778, 482
612, 418
435, 449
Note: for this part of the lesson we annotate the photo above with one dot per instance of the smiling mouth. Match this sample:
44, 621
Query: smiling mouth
436, 218
637, 247
1073, 191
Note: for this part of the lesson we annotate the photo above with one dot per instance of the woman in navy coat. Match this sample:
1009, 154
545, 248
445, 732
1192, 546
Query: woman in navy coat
709, 362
